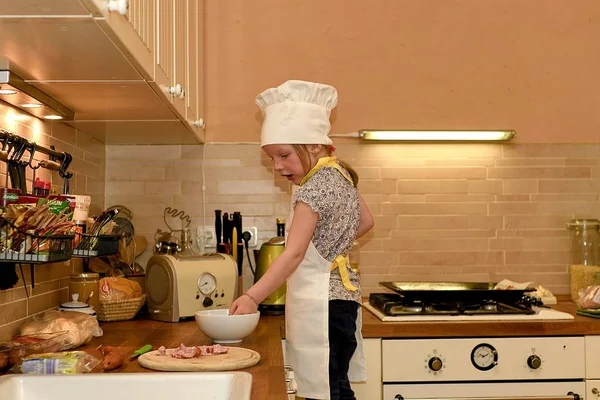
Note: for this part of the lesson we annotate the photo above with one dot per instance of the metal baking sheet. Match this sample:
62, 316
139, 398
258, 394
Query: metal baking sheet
455, 291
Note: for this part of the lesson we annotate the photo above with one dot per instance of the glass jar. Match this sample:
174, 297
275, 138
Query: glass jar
86, 286
584, 256
354, 257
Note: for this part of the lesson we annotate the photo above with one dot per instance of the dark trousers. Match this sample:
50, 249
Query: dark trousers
342, 344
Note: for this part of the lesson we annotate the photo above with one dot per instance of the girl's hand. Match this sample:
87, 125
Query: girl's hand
243, 305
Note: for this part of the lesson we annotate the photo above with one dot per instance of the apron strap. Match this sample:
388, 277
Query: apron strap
341, 262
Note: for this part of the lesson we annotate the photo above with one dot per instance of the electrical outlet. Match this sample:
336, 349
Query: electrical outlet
209, 236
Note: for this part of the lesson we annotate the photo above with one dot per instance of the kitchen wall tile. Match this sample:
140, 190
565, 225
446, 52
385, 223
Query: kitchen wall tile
538, 172
474, 212
484, 186
530, 162
519, 186
569, 186
433, 173
136, 173
429, 186
552, 151
459, 198
13, 311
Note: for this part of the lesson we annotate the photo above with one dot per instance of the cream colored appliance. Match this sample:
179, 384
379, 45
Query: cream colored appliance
179, 285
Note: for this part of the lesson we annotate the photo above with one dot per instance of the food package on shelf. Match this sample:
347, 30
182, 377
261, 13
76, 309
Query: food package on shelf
79, 328
118, 288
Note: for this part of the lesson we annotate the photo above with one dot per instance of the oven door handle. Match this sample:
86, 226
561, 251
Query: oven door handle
569, 396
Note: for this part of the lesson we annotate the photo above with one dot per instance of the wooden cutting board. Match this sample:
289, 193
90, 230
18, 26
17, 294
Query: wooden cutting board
235, 358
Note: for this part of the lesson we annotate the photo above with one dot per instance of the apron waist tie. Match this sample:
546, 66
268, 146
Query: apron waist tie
341, 262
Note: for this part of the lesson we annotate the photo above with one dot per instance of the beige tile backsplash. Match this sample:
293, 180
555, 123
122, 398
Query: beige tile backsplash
51, 280
443, 212
475, 212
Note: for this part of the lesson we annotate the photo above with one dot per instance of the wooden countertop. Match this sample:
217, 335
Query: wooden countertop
268, 376
581, 325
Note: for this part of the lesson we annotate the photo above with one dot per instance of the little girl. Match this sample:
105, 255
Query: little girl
322, 314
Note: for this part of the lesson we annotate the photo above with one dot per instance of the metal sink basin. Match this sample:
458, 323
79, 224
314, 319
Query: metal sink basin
128, 386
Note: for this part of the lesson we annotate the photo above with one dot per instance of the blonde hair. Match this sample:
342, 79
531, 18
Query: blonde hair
304, 156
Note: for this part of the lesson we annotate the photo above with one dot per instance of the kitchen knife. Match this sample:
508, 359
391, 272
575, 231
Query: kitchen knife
218, 228
226, 231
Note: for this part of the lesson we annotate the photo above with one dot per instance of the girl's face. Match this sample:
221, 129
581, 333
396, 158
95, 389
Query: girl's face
286, 161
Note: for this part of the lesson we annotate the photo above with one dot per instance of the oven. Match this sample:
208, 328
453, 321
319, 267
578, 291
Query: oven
484, 368
475, 367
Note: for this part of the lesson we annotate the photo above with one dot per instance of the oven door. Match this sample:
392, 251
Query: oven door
486, 391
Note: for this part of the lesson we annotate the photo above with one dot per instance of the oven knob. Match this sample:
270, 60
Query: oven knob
207, 302
435, 364
534, 362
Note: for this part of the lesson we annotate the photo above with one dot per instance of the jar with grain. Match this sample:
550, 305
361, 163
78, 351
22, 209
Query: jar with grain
585, 257
86, 287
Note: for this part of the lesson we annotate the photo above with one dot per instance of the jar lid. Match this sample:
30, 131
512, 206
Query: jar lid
583, 223
85, 277
75, 303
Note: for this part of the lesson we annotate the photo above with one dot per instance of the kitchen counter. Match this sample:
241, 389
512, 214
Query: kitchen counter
268, 376
375, 328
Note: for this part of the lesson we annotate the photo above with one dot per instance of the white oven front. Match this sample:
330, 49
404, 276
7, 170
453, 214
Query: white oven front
484, 368
479, 390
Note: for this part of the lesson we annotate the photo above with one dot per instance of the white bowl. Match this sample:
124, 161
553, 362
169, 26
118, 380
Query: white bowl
224, 328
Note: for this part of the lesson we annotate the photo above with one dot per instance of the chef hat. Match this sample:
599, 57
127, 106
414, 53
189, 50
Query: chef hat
297, 112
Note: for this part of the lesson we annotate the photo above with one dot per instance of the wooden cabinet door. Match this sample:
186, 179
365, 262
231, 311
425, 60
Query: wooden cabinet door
180, 58
195, 63
132, 32
371, 389
165, 44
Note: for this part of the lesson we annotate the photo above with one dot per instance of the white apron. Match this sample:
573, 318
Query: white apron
307, 327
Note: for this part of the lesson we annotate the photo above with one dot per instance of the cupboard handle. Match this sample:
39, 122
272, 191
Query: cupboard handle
596, 391
176, 90
118, 5
199, 123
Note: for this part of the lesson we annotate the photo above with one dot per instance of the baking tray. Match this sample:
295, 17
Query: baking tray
455, 291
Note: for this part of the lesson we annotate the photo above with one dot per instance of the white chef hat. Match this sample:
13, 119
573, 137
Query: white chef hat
297, 112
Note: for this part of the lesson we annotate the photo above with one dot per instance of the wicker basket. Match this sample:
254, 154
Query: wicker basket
120, 310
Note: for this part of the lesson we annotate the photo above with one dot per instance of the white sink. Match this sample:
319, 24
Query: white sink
128, 386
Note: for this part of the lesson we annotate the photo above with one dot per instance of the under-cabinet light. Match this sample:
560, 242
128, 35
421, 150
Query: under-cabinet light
440, 136
18, 93
31, 105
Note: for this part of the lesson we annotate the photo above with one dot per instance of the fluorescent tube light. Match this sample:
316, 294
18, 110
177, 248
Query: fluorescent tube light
440, 136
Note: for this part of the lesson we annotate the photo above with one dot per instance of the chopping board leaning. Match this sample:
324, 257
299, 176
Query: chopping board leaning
235, 358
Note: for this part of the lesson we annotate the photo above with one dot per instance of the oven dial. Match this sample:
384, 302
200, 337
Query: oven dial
435, 364
534, 362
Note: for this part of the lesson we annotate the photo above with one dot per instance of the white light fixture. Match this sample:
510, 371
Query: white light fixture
438, 136
22, 95
53, 117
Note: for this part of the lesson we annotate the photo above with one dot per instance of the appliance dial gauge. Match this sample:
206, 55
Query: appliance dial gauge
435, 364
484, 357
534, 362
207, 283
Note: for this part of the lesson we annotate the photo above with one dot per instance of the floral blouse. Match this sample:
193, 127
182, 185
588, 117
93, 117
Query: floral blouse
335, 199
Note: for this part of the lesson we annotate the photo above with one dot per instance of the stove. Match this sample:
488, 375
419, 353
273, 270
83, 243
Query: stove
439, 301
395, 304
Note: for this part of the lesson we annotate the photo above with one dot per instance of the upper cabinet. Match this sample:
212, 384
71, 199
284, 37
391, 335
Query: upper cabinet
130, 69
162, 39
131, 26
